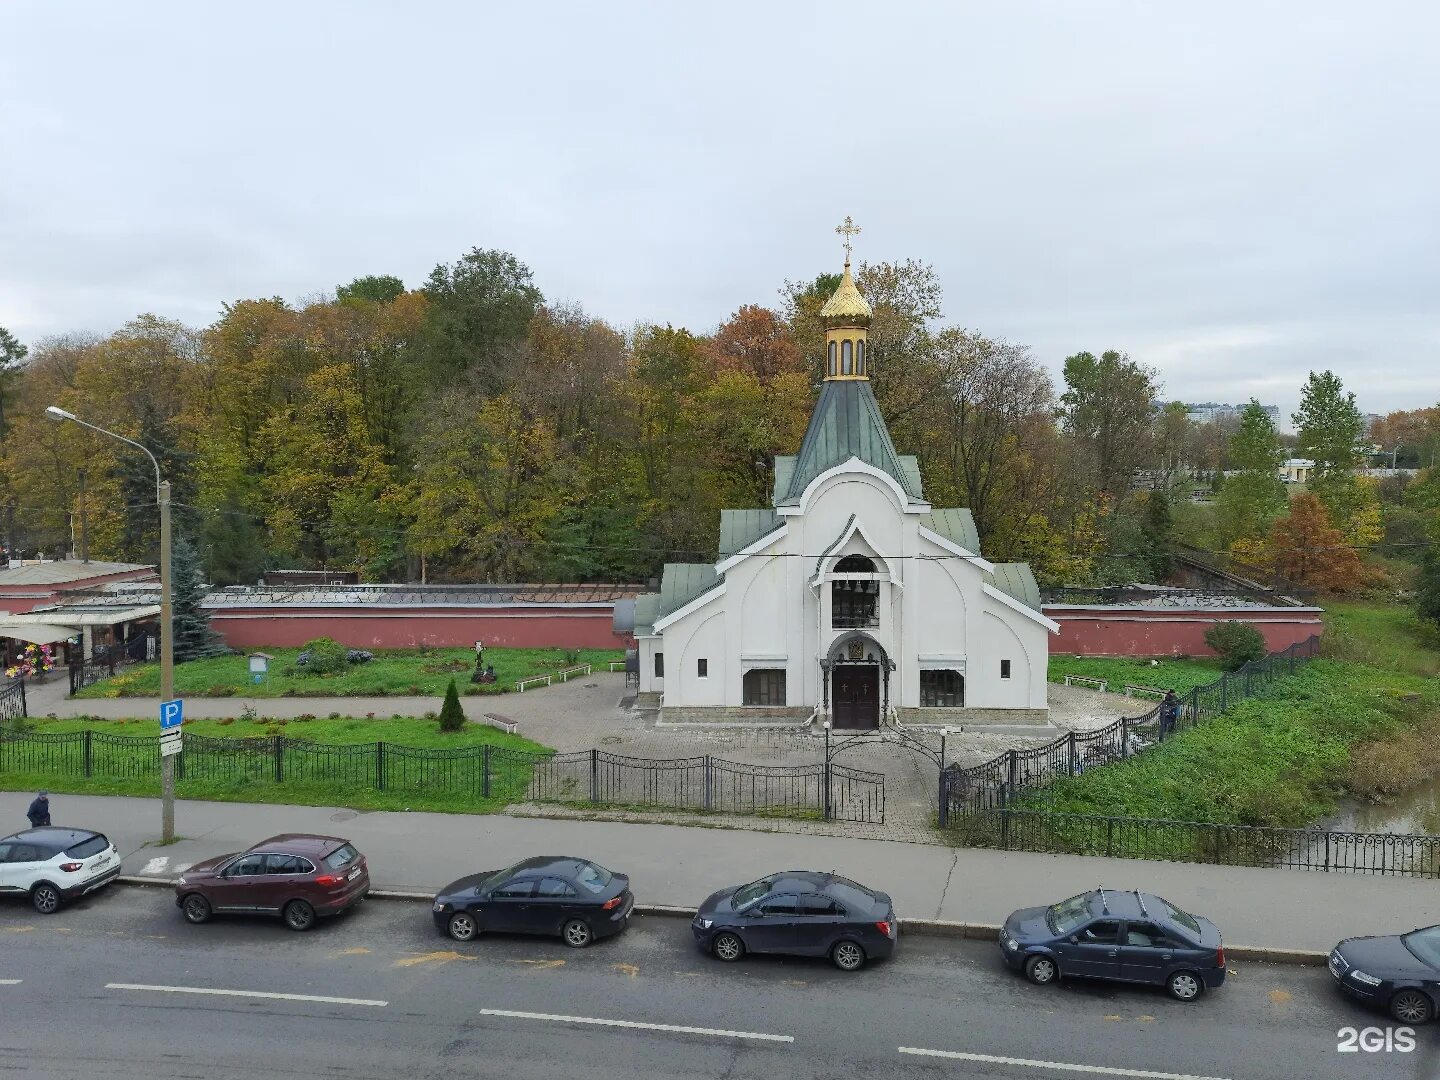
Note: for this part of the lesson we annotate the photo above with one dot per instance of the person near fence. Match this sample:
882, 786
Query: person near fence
39, 812
1169, 714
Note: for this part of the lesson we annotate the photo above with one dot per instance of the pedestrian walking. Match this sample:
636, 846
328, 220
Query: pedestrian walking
39, 812
1169, 714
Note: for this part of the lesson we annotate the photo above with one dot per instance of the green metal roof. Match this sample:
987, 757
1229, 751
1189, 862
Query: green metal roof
647, 610
741, 528
956, 525
1015, 579
681, 583
784, 470
846, 423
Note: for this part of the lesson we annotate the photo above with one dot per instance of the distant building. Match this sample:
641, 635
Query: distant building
1296, 470
1211, 412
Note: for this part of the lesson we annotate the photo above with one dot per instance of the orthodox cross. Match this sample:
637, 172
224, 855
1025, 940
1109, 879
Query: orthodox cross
847, 229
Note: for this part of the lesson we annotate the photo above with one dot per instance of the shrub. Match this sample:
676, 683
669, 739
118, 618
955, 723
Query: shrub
358, 656
1237, 643
323, 656
452, 716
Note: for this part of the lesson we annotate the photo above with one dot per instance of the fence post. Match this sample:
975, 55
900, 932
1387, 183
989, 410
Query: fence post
279, 759
1194, 706
380, 766
1224, 686
485, 771
24, 708
1124, 737
1071, 741
87, 753
180, 761
708, 781
942, 815
594, 775
1013, 769
1109, 835
827, 785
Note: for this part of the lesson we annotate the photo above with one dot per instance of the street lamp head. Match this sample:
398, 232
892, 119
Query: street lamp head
54, 412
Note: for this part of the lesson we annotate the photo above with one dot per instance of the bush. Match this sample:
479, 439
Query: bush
358, 656
452, 716
323, 656
1237, 643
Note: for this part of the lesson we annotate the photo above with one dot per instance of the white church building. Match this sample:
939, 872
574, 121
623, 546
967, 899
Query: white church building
850, 598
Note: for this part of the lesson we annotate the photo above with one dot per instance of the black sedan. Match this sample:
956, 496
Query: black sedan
1399, 973
1121, 936
800, 912
574, 898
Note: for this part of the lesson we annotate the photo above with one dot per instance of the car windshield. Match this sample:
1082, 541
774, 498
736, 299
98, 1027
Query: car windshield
341, 857
1068, 914
1184, 918
593, 876
748, 894
1425, 944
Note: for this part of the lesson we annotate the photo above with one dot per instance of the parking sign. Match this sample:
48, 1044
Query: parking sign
172, 714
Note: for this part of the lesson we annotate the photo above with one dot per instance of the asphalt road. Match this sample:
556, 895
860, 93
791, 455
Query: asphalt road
105, 988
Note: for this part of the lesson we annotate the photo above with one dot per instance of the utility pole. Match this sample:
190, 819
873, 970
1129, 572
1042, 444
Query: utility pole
167, 663
84, 522
10, 530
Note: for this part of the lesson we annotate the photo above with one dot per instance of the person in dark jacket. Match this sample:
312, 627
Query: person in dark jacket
39, 812
1169, 714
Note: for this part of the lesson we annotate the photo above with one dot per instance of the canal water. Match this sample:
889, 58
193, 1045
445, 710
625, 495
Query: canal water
1416, 812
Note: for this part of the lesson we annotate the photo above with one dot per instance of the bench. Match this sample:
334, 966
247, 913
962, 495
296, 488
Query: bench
1086, 680
504, 723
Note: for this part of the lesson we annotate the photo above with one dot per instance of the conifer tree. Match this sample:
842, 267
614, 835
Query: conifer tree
194, 639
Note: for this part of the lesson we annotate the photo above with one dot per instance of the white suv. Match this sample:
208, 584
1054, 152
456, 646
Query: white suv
54, 865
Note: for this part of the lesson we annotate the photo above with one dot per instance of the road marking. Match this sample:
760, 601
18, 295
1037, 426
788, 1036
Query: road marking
1060, 1066
358, 950
678, 1029
10, 982
439, 956
631, 970
246, 994
156, 865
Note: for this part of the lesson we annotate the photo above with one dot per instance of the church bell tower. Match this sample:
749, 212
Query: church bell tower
846, 316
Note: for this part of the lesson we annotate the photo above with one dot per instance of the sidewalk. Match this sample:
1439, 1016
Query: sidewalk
676, 865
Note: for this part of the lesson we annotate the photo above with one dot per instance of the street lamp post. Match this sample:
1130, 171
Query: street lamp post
167, 639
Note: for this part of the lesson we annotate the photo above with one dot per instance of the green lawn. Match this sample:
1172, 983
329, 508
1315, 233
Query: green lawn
1178, 675
393, 672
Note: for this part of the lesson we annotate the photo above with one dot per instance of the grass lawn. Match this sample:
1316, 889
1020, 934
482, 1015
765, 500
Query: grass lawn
1171, 674
394, 672
346, 777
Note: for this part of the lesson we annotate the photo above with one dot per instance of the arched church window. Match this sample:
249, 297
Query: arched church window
854, 564
847, 357
860, 358
832, 359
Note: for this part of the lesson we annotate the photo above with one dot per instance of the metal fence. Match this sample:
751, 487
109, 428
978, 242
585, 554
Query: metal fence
1189, 841
12, 700
106, 660
998, 780
590, 777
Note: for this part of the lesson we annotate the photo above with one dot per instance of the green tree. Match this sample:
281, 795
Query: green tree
1250, 501
1237, 643
480, 307
12, 355
373, 289
1109, 413
234, 545
1329, 429
452, 716
1427, 589
194, 638
1158, 523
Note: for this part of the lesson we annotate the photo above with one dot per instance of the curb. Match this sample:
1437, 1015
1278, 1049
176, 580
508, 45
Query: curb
923, 927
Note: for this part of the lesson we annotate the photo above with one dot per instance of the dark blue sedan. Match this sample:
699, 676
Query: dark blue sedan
1121, 936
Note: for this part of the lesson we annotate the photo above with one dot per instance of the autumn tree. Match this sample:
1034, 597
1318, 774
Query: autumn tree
1109, 411
480, 308
1309, 551
1251, 499
755, 340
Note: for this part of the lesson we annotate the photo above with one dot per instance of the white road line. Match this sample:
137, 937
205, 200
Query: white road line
156, 865
246, 994
10, 982
676, 1028
1061, 1066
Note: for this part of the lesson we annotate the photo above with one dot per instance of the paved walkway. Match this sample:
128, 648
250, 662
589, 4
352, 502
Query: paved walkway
680, 866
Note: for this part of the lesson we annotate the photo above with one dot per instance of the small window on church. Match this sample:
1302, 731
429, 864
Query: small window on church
942, 689
1004, 669
847, 357
659, 665
764, 686
702, 668
860, 358
832, 359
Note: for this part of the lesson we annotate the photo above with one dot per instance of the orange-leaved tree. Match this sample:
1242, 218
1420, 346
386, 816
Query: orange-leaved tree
1309, 550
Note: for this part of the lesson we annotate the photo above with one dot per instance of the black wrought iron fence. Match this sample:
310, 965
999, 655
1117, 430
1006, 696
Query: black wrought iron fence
106, 660
591, 777
1201, 842
12, 699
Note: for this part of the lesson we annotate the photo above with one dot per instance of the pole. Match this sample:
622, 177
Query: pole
167, 661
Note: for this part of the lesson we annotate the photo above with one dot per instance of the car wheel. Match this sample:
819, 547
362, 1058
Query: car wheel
46, 898
195, 908
728, 947
577, 934
848, 956
1184, 986
462, 926
1041, 970
299, 915
1411, 1007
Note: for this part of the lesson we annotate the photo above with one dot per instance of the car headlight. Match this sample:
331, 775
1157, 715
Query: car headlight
1363, 977
704, 924
1012, 944
181, 880
440, 905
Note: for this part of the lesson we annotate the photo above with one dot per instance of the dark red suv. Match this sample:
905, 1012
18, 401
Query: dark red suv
294, 875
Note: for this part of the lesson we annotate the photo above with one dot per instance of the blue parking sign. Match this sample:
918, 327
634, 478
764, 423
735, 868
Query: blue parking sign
172, 714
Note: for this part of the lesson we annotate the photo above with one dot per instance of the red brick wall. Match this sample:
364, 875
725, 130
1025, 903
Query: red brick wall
529, 626
1111, 631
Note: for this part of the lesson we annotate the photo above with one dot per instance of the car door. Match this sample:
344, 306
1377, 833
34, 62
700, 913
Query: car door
509, 906
19, 863
555, 900
1146, 953
773, 926
286, 878
1093, 950
820, 923
5, 882
241, 885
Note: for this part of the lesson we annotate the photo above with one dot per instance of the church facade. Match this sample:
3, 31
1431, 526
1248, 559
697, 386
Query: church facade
850, 597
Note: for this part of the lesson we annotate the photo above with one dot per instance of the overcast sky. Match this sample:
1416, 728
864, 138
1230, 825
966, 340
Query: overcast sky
1233, 193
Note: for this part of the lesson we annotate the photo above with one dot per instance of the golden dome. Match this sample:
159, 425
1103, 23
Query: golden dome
847, 307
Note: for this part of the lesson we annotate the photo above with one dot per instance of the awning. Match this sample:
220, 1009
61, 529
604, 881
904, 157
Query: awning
39, 633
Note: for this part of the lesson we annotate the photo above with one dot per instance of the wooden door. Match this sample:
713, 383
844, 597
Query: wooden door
855, 693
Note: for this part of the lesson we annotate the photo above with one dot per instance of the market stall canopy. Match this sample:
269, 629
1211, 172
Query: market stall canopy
39, 633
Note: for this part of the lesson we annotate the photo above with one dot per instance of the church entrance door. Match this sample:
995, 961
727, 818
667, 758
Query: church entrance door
855, 692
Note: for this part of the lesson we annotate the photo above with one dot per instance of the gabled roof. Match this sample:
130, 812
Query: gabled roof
846, 423
741, 528
784, 470
64, 571
957, 525
1016, 581
683, 582
647, 610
